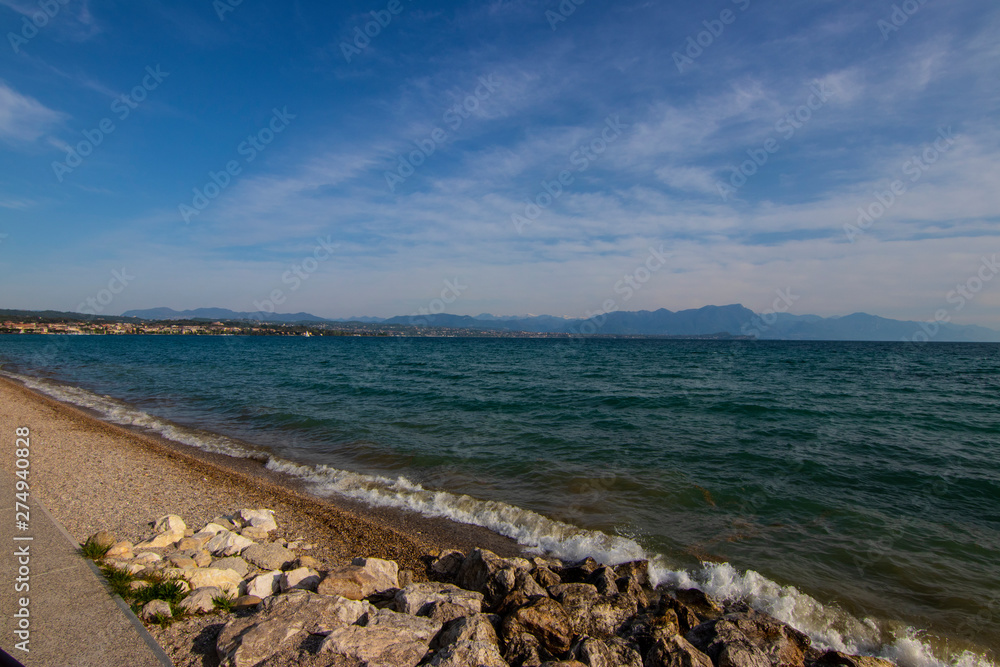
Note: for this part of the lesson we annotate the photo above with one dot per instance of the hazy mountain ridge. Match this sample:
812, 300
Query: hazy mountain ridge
733, 319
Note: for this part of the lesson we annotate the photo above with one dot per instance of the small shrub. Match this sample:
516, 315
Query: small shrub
94, 551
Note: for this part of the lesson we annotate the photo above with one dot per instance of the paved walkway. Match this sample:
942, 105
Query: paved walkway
74, 620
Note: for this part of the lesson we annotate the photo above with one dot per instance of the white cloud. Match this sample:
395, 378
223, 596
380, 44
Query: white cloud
23, 118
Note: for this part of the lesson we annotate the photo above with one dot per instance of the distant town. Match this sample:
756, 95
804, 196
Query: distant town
72, 324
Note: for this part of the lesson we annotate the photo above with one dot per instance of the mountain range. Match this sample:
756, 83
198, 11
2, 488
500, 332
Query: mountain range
733, 319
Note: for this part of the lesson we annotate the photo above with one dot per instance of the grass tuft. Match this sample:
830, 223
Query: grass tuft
94, 551
119, 581
223, 602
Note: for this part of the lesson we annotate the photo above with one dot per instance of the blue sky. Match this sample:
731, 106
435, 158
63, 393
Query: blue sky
274, 150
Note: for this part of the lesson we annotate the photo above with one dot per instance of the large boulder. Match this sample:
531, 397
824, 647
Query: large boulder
362, 578
417, 599
448, 564
749, 638
227, 543
545, 619
700, 603
234, 563
614, 652
386, 572
387, 639
471, 628
262, 519
676, 652
283, 622
269, 556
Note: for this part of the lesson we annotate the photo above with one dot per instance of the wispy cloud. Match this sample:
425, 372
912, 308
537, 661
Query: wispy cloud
24, 119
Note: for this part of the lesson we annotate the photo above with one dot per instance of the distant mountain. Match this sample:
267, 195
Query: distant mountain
219, 314
733, 319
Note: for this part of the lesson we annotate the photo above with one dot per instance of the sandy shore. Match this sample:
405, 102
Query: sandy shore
98, 476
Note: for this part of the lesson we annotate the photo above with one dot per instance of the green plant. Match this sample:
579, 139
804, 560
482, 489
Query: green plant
93, 550
170, 591
119, 581
223, 602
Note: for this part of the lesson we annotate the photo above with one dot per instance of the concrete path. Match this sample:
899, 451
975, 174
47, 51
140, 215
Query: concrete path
73, 620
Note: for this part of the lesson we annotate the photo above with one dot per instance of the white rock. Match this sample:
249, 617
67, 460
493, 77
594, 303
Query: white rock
148, 557
227, 543
211, 529
262, 519
304, 578
161, 540
388, 639
386, 572
170, 524
265, 585
199, 577
120, 550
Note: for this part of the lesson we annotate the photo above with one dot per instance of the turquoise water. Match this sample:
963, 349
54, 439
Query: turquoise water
864, 475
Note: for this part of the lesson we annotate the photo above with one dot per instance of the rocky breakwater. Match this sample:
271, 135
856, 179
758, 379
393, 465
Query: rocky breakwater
474, 610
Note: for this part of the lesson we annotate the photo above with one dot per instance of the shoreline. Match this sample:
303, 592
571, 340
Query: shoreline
123, 479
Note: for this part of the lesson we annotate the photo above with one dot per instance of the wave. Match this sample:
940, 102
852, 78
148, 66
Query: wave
829, 626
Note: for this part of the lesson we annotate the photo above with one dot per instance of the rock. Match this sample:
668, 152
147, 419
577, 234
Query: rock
350, 581
545, 619
201, 600
224, 522
181, 561
388, 639
448, 564
749, 638
465, 653
262, 519
524, 582
214, 527
676, 652
476, 628
417, 599
235, 563
227, 543
228, 580
405, 578
637, 569
268, 556
303, 578
546, 577
254, 534
700, 603
837, 659
386, 572
613, 652
102, 539
563, 663
577, 600
160, 541
119, 550
284, 621
524, 650
265, 585
193, 543
645, 630
134, 568
686, 618
155, 608
201, 558
170, 523
306, 561
604, 579
608, 616
487, 573
148, 557
246, 602
579, 572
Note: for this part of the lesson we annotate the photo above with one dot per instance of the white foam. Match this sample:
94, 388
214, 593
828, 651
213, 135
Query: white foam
118, 412
828, 626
